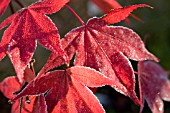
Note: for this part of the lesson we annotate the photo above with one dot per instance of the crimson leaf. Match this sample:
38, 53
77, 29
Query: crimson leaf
67, 91
40, 105
107, 49
3, 6
155, 85
10, 85
120, 14
107, 5
28, 26
24, 107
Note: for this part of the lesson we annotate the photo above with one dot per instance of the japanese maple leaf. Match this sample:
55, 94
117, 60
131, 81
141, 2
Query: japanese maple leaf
154, 85
11, 84
40, 104
106, 49
67, 90
3, 6
107, 5
28, 26
24, 107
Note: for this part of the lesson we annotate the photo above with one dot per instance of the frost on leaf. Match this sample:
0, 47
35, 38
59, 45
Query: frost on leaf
66, 90
107, 49
28, 26
3, 6
154, 85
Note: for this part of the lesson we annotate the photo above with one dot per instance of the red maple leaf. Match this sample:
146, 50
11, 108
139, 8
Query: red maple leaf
66, 90
21, 106
107, 5
28, 26
106, 49
154, 85
10, 85
3, 6
40, 104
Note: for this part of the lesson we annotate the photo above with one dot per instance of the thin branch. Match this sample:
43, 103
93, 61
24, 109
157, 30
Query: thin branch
11, 8
19, 3
31, 65
20, 105
75, 14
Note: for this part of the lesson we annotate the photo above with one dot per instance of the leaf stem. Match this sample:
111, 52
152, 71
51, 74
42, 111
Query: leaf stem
19, 3
31, 65
11, 8
136, 72
20, 105
75, 14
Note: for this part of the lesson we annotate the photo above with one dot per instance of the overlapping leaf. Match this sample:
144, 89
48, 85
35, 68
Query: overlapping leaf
107, 49
3, 6
66, 90
10, 85
25, 107
155, 85
40, 104
28, 26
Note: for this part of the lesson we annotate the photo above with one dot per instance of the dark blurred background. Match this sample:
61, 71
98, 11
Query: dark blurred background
155, 31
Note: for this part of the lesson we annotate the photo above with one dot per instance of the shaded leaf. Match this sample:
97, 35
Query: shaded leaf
67, 91
27, 27
28, 74
155, 85
40, 105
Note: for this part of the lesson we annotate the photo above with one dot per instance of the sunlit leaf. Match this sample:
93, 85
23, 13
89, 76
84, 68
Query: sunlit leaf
28, 26
67, 90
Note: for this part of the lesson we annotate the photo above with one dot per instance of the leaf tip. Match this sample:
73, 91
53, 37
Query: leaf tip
119, 14
156, 59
